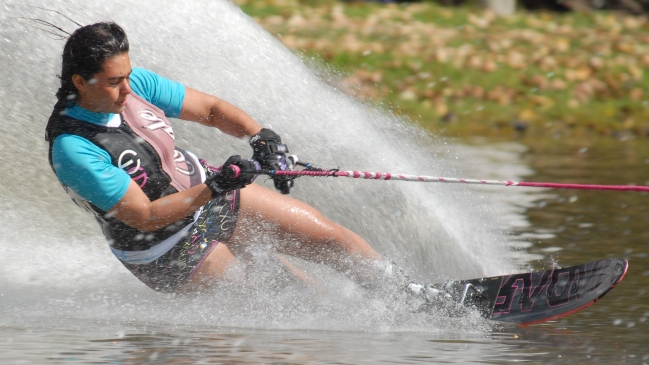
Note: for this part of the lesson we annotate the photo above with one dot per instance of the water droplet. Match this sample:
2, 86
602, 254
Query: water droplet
552, 249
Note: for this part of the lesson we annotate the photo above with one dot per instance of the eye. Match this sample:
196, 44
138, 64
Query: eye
115, 82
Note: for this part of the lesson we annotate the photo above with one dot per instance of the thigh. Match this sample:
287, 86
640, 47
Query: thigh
288, 220
283, 214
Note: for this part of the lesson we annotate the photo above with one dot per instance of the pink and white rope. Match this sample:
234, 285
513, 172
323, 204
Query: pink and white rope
449, 180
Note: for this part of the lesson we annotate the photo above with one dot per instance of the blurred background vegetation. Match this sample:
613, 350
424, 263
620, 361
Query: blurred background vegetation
500, 68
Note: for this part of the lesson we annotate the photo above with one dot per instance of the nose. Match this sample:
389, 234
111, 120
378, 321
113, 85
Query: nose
126, 87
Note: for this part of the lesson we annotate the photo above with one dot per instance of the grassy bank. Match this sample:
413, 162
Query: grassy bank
466, 71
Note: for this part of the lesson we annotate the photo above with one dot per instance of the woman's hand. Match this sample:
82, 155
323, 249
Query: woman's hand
235, 173
269, 150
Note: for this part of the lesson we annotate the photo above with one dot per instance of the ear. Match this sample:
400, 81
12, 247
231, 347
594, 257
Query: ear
79, 82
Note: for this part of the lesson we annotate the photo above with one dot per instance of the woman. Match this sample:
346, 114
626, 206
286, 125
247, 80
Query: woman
173, 221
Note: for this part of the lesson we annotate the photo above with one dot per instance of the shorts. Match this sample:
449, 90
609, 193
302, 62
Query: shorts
170, 271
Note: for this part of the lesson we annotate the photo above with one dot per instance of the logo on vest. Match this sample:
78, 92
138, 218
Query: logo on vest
126, 160
156, 122
180, 161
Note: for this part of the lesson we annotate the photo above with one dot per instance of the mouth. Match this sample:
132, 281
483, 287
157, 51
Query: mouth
121, 102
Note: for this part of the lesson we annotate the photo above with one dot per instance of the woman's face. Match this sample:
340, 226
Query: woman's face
106, 91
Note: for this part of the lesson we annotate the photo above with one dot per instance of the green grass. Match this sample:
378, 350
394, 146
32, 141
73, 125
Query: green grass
484, 92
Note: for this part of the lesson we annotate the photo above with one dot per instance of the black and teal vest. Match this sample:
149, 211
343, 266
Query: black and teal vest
143, 145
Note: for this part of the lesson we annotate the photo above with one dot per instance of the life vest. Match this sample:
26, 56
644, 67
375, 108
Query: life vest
143, 145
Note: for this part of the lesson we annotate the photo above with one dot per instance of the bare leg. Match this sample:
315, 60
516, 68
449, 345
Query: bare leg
297, 229
293, 228
300, 274
214, 268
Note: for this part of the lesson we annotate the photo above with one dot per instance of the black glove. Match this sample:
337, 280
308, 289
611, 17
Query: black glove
271, 153
235, 173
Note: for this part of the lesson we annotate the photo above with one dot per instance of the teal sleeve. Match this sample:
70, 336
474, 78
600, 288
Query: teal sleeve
165, 94
87, 170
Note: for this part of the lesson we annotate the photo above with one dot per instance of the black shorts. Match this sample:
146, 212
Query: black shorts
173, 269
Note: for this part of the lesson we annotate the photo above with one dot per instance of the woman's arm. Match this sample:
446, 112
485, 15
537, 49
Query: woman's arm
212, 111
136, 210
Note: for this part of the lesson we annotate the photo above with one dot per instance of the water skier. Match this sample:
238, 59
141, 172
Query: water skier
176, 223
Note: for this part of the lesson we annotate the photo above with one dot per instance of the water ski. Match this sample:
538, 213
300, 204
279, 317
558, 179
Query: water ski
528, 298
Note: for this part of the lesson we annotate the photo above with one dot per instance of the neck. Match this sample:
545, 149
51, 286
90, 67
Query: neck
87, 106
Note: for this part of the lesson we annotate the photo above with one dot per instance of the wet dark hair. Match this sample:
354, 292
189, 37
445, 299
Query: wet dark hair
85, 52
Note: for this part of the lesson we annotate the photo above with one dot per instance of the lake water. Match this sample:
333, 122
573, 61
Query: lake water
64, 298
101, 322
